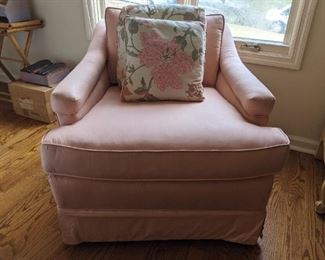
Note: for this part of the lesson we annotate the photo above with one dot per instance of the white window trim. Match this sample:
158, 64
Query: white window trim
93, 12
288, 55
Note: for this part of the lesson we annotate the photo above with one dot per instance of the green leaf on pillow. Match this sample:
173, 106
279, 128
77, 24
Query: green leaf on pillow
193, 34
143, 83
148, 10
183, 44
131, 53
141, 91
165, 12
133, 27
131, 68
195, 55
179, 39
189, 16
126, 39
123, 34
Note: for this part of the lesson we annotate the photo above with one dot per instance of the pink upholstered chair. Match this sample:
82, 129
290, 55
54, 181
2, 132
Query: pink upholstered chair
162, 170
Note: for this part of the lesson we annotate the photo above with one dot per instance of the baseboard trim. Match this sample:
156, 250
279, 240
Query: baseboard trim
302, 144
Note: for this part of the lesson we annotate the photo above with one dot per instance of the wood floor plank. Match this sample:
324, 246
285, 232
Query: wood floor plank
32, 225
29, 227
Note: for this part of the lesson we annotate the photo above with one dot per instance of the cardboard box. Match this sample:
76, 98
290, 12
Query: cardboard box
32, 101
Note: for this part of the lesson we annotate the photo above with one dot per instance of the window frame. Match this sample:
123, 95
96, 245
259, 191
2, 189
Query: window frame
287, 55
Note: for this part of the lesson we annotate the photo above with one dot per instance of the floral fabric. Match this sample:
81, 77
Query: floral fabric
165, 12
164, 60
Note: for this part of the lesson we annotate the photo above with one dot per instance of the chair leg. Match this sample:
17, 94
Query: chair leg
320, 205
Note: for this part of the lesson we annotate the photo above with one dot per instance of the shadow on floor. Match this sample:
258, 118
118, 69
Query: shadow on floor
149, 250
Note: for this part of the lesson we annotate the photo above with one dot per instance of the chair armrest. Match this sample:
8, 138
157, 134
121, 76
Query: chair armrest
96, 94
255, 99
69, 97
227, 92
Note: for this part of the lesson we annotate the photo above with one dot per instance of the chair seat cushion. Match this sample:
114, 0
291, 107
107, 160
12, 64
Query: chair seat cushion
164, 140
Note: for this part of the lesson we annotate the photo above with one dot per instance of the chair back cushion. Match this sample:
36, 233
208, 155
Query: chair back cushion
215, 27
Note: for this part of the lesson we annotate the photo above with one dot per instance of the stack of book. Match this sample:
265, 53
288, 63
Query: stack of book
44, 72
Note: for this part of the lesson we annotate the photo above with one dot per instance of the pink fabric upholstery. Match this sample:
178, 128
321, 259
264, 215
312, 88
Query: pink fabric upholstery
138, 225
215, 25
166, 194
164, 170
93, 98
191, 197
227, 92
253, 99
127, 135
112, 15
122, 210
86, 84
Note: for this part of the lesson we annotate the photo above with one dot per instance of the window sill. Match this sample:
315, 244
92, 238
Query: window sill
281, 56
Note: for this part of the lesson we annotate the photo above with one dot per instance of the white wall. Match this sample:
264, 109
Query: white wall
300, 108
63, 37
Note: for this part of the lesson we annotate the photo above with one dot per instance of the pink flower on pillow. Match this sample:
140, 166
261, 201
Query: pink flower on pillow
167, 60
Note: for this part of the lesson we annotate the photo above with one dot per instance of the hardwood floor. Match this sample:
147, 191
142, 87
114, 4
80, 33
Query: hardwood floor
29, 227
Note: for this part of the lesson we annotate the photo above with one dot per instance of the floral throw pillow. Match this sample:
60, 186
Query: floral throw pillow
166, 12
164, 60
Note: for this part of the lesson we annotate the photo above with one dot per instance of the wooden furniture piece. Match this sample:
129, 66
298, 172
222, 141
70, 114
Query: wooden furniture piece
320, 205
32, 101
4, 93
10, 30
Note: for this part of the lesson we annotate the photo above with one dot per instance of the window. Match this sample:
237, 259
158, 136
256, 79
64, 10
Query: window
267, 32
261, 20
